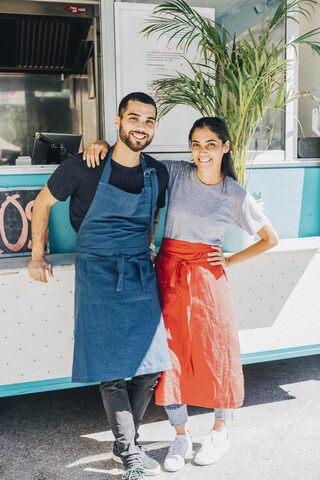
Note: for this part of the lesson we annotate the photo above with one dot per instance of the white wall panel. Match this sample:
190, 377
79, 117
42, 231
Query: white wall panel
276, 298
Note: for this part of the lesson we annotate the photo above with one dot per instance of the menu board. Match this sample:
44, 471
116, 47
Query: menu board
140, 60
15, 219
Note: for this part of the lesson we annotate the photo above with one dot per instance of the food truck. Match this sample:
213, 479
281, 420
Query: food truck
63, 69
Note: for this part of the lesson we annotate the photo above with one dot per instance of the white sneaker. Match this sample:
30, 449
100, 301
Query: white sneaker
180, 448
212, 448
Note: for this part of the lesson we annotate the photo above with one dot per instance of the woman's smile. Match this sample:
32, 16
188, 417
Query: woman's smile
207, 150
204, 160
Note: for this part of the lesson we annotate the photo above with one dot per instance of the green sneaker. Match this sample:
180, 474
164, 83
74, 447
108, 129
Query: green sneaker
150, 466
134, 473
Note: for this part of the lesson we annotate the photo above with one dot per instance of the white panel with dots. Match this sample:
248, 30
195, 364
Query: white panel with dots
36, 333
276, 296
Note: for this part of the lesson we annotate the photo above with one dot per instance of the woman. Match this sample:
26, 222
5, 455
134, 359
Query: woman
204, 198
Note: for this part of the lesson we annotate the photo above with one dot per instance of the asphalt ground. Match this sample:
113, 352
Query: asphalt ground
274, 436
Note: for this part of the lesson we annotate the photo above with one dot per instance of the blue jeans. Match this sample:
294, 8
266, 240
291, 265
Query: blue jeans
178, 414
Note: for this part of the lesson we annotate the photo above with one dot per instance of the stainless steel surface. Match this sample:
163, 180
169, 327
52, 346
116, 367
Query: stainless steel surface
83, 116
56, 9
45, 35
18, 264
43, 43
31, 103
32, 100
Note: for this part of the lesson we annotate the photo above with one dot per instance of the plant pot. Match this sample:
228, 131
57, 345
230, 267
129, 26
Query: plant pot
235, 239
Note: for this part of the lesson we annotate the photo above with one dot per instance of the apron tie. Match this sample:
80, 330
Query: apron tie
143, 280
174, 276
120, 262
138, 262
185, 306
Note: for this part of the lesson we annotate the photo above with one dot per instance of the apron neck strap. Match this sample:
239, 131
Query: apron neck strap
154, 197
143, 162
152, 176
107, 168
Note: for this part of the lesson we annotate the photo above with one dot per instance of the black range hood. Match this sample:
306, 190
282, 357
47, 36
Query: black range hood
47, 44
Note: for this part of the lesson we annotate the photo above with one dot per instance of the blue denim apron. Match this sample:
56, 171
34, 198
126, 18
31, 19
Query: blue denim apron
119, 330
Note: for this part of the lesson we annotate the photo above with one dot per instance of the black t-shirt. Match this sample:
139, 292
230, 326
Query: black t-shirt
74, 178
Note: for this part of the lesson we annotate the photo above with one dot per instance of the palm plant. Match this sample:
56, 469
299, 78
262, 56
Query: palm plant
238, 80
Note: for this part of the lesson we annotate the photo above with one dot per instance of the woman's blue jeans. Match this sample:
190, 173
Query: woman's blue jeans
178, 414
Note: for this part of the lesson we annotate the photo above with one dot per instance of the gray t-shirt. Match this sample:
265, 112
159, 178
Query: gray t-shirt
200, 213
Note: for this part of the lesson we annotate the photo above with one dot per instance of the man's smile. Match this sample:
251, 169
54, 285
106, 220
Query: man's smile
139, 136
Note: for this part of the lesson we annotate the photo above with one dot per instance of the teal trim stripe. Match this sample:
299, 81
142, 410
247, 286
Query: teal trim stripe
63, 383
270, 355
24, 180
40, 386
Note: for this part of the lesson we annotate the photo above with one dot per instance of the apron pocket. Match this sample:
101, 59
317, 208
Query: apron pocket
123, 317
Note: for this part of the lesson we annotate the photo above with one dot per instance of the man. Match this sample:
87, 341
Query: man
119, 331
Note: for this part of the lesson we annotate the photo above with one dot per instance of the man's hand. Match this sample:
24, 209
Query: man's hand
39, 225
38, 270
95, 152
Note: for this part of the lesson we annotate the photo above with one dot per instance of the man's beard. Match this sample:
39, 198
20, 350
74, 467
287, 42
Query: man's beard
134, 145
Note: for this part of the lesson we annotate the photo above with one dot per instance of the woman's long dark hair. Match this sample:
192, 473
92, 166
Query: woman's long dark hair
218, 126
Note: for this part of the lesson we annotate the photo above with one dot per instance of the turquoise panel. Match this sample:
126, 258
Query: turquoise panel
310, 207
291, 199
61, 234
162, 218
270, 355
282, 190
40, 386
23, 180
291, 202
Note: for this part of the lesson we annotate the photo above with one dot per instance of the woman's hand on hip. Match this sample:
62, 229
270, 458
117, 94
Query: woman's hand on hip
216, 257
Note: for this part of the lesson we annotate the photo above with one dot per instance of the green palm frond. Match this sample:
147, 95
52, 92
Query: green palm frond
239, 80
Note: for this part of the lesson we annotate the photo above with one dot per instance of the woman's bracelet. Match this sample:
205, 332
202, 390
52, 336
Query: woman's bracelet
153, 249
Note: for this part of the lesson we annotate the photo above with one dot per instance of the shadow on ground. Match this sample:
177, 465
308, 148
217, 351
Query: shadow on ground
40, 433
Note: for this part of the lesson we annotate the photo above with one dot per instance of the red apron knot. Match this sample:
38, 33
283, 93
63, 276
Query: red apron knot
174, 276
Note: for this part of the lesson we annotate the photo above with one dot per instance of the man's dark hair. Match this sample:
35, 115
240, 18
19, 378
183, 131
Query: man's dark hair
139, 97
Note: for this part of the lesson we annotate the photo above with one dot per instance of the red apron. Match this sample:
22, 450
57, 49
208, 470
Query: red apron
197, 308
